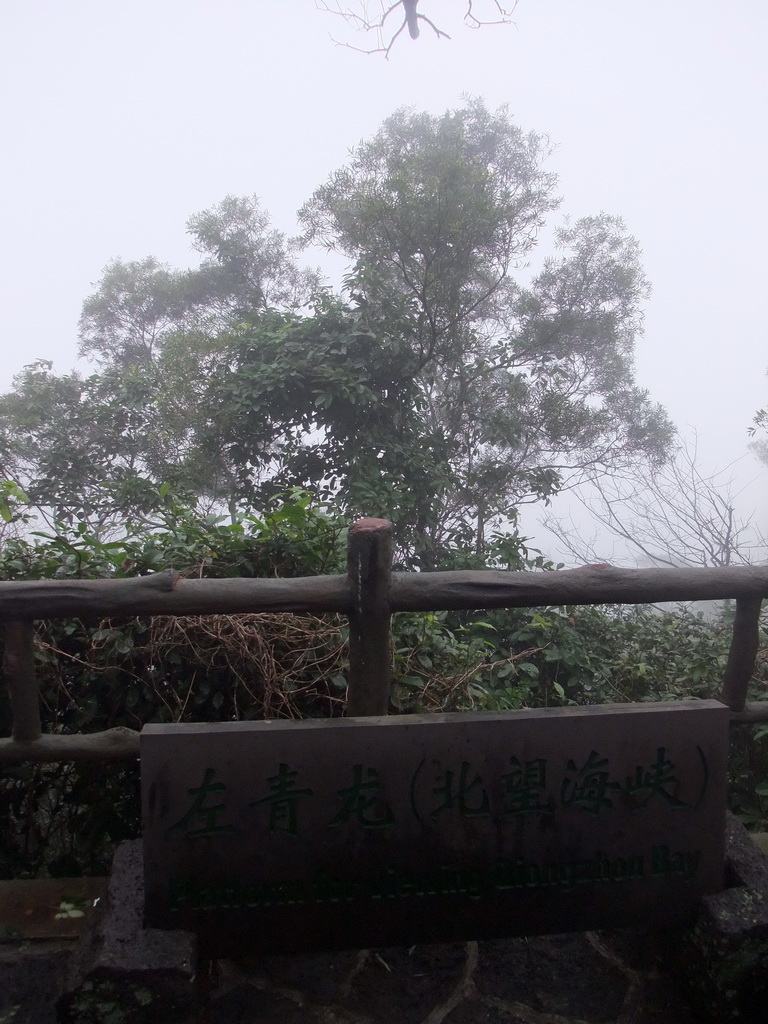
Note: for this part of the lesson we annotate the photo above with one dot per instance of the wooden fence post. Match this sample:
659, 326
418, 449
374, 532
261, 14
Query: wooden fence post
741, 656
19, 670
369, 564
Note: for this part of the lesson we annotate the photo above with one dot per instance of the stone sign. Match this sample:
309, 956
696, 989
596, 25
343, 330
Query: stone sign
298, 836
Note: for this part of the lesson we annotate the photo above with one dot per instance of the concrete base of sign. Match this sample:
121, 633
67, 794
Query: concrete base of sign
147, 973
724, 958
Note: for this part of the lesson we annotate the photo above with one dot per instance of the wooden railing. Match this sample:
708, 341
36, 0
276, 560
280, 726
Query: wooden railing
368, 594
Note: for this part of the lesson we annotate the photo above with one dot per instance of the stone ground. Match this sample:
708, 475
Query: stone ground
582, 978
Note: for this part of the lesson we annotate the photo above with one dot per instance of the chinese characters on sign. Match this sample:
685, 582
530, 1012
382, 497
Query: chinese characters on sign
481, 824
590, 787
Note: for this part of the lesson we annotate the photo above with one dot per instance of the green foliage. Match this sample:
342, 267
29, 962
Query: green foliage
589, 655
136, 306
115, 1001
440, 392
90, 450
521, 389
329, 403
434, 211
97, 448
247, 266
66, 819
13, 500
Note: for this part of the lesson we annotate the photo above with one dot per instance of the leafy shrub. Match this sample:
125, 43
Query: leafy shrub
66, 819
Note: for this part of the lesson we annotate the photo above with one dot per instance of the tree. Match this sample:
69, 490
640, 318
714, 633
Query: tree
529, 388
445, 387
672, 515
103, 450
246, 267
158, 335
79, 446
435, 211
136, 306
327, 403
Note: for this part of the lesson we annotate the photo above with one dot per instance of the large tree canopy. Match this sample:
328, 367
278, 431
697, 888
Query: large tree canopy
448, 382
526, 379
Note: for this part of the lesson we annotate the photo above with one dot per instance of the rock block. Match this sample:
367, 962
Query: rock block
32, 974
723, 959
119, 964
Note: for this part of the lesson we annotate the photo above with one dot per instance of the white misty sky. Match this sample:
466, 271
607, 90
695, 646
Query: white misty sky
120, 119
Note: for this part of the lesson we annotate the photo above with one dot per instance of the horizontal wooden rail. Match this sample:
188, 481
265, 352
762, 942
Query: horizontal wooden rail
753, 713
118, 744
436, 591
166, 593
368, 595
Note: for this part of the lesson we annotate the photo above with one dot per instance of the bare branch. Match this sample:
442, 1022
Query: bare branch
504, 18
673, 516
411, 17
438, 32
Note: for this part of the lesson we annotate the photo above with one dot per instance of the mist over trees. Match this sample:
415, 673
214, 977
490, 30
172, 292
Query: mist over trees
671, 515
444, 386
237, 415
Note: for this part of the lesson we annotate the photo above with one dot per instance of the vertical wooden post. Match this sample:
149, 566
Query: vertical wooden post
742, 653
19, 670
369, 563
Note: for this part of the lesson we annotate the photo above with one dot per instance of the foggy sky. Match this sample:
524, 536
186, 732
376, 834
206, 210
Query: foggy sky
120, 120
